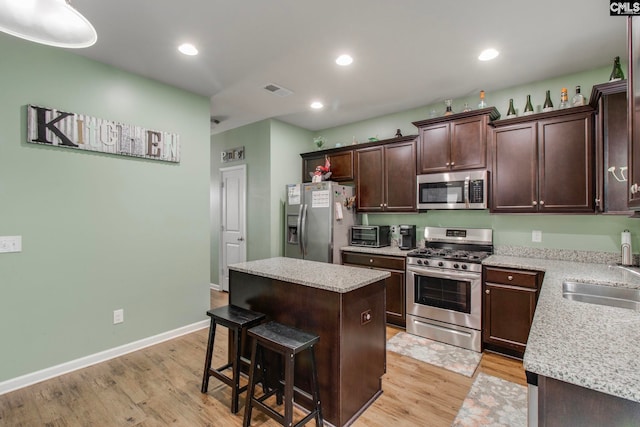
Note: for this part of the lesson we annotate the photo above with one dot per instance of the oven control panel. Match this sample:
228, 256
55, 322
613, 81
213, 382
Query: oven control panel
444, 264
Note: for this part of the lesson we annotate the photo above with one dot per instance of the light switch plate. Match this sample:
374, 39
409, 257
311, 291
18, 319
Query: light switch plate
10, 244
536, 236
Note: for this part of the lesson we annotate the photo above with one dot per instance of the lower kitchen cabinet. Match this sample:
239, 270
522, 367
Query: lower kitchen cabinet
510, 298
395, 285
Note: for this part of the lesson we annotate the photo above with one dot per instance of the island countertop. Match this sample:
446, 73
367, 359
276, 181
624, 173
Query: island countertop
589, 345
320, 275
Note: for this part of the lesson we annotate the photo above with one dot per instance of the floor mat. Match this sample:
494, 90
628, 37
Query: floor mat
446, 356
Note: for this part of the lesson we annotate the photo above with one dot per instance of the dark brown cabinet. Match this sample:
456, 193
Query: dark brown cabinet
612, 143
455, 142
544, 164
386, 177
510, 298
395, 285
341, 164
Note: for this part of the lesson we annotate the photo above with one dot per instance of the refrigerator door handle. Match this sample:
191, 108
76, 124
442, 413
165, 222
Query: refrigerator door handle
303, 237
299, 228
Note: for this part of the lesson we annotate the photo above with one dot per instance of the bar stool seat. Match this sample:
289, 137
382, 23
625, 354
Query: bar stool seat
238, 320
287, 342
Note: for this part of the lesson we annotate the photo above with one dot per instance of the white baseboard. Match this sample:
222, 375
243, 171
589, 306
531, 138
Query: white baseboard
83, 362
215, 287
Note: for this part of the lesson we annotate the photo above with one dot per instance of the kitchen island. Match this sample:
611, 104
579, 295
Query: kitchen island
345, 306
585, 357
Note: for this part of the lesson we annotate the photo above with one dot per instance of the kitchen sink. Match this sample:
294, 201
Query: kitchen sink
602, 294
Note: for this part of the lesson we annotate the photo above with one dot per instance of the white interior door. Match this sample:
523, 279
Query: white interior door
233, 246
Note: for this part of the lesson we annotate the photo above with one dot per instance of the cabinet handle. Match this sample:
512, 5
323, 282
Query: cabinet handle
634, 188
370, 259
509, 277
446, 164
541, 202
487, 291
453, 163
381, 204
534, 203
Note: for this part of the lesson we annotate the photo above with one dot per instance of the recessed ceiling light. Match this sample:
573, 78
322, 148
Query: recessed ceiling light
344, 60
188, 49
488, 54
316, 105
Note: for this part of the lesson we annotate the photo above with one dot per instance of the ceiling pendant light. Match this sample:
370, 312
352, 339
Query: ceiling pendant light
50, 22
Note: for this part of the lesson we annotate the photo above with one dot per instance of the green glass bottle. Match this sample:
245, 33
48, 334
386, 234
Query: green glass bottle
548, 105
616, 73
511, 112
528, 108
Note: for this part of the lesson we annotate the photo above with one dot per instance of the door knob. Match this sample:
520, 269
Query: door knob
240, 239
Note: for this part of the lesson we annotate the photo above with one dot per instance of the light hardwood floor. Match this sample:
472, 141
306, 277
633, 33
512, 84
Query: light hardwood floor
160, 386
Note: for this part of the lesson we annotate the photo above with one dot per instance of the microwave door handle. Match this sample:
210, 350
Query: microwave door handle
466, 192
299, 226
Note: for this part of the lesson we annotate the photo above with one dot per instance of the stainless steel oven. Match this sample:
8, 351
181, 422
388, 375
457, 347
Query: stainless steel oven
444, 286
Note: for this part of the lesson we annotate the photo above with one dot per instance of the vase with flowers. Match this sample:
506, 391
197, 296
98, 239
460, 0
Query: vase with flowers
319, 141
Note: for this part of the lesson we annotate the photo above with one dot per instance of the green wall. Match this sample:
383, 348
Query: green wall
273, 160
100, 232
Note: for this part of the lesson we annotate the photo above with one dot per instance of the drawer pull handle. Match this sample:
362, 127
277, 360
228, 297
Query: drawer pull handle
510, 277
487, 291
370, 260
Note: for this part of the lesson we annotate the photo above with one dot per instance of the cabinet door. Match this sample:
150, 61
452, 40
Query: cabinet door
400, 177
341, 166
370, 179
469, 143
566, 164
515, 169
507, 316
614, 135
434, 148
395, 294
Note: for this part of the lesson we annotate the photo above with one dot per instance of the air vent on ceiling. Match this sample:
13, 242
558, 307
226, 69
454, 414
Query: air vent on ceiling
278, 90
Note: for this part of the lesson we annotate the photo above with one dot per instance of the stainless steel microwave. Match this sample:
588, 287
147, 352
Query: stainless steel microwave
453, 190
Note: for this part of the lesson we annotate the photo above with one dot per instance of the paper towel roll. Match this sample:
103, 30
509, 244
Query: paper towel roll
625, 247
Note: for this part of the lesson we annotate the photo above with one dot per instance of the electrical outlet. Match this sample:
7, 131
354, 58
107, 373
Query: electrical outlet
118, 316
365, 317
536, 236
10, 244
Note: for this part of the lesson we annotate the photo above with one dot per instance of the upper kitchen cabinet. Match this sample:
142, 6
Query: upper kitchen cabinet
386, 176
611, 142
543, 163
341, 160
454, 142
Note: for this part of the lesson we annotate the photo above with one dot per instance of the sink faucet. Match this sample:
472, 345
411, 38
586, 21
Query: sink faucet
630, 269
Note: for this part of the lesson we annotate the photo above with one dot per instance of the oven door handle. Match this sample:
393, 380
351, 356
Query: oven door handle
441, 275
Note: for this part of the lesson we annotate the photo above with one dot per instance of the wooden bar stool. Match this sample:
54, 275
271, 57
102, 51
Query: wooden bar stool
287, 342
237, 320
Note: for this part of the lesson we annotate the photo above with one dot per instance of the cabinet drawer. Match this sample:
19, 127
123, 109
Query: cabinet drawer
524, 278
378, 261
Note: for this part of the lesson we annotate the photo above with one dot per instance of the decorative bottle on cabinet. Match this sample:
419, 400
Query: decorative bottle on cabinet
564, 97
482, 103
512, 111
448, 111
577, 99
528, 108
548, 105
616, 73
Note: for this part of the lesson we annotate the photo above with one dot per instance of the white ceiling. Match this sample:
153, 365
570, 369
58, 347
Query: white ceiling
408, 53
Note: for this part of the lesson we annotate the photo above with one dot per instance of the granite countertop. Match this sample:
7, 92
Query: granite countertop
589, 345
321, 275
386, 250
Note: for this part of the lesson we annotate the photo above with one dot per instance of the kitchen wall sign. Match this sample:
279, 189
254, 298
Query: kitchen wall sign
232, 155
49, 126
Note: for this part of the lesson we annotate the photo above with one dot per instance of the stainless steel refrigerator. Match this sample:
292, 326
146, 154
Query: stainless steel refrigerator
318, 219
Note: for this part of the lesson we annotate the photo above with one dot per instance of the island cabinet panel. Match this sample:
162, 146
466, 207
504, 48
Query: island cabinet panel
350, 354
455, 142
544, 164
561, 404
395, 285
510, 298
341, 165
386, 177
